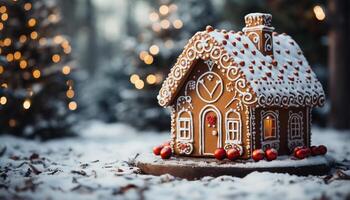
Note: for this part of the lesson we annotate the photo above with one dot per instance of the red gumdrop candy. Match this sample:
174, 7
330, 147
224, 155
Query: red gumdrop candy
220, 153
232, 154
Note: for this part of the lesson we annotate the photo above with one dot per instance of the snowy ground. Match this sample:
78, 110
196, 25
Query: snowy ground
97, 166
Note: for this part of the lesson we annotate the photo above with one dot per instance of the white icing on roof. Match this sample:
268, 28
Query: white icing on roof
287, 79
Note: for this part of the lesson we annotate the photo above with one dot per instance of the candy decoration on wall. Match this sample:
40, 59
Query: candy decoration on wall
211, 121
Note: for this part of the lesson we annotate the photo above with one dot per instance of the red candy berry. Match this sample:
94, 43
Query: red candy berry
258, 154
314, 151
271, 154
157, 149
232, 154
301, 153
220, 153
165, 153
296, 149
307, 151
322, 149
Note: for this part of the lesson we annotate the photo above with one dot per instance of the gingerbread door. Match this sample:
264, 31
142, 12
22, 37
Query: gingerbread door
210, 130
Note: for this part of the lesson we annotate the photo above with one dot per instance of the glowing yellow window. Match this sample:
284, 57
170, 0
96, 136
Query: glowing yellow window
269, 127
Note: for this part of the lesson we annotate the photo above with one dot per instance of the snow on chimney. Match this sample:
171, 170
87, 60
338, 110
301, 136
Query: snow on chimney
259, 30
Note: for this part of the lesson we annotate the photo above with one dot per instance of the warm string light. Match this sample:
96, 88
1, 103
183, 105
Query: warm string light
34, 35
66, 70
165, 24
319, 13
26, 104
9, 57
17, 55
3, 100
153, 16
151, 79
177, 24
7, 42
27, 6
3, 9
148, 59
4, 16
72, 105
159, 21
164, 9
53, 18
22, 39
134, 78
31, 22
139, 84
56, 58
22, 63
70, 93
42, 41
36, 73
154, 49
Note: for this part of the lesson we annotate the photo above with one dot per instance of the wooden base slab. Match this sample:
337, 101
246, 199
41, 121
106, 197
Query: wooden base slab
196, 168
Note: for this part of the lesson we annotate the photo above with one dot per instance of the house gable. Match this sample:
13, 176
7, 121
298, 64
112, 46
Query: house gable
203, 46
283, 79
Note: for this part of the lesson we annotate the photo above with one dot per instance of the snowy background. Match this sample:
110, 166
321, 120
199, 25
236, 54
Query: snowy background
67, 117
99, 165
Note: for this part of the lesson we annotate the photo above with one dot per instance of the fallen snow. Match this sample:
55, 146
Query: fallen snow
97, 165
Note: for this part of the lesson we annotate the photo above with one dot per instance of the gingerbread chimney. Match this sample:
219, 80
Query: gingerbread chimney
259, 30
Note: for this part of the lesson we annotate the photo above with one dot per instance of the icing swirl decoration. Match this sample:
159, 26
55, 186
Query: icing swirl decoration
205, 46
209, 87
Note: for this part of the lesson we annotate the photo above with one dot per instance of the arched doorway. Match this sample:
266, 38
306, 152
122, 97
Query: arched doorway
210, 130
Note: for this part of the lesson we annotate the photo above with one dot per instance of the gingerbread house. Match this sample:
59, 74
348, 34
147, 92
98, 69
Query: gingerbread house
251, 89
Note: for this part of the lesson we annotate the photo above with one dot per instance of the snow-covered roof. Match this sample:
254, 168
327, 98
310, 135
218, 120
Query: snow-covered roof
284, 79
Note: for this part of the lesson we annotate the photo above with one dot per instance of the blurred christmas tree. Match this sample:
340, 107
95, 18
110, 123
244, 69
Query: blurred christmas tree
36, 92
150, 50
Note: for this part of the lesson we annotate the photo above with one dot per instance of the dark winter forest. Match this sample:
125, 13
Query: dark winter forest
79, 81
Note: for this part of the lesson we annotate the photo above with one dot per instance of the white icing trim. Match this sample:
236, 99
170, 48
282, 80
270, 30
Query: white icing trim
268, 42
290, 83
255, 39
202, 113
185, 148
252, 128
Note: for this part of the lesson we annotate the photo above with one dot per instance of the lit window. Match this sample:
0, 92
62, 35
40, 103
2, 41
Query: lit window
295, 127
269, 127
